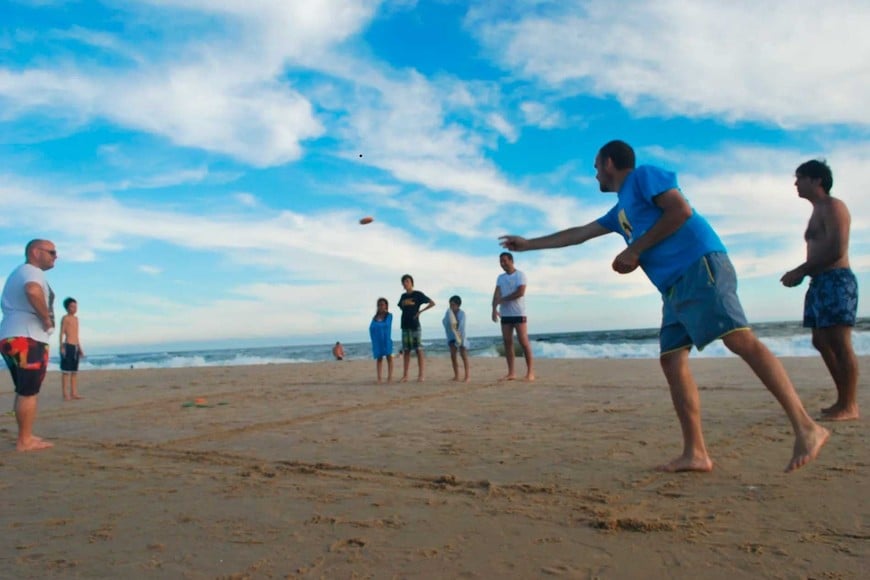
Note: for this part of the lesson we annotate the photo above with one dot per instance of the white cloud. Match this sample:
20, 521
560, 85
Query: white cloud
225, 95
800, 63
540, 115
151, 270
246, 199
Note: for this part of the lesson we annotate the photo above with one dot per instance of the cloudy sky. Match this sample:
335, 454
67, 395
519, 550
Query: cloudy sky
202, 164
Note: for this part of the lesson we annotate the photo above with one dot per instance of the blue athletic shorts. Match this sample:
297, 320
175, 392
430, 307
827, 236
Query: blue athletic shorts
702, 305
832, 299
411, 339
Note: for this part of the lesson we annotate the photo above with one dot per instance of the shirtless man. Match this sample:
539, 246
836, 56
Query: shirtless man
338, 351
28, 321
70, 350
831, 303
684, 258
509, 304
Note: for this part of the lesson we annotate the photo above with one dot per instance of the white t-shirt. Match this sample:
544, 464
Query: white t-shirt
19, 317
507, 285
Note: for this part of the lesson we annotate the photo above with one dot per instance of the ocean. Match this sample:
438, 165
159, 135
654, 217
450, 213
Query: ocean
783, 338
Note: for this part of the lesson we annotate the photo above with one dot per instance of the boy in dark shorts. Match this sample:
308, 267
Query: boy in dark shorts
70, 350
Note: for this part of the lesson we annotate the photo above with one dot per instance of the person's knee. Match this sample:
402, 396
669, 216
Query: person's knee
741, 342
673, 362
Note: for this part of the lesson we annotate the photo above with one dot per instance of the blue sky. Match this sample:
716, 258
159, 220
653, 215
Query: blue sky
202, 164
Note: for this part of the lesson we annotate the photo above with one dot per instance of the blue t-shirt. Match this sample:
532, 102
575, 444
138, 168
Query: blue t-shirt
635, 212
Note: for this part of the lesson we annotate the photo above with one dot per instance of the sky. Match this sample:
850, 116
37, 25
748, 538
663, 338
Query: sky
202, 165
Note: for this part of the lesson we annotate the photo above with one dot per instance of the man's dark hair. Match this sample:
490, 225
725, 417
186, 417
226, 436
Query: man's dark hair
817, 169
67, 302
619, 152
508, 254
408, 277
455, 300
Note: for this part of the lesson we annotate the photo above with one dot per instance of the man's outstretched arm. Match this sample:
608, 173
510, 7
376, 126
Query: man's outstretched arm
569, 237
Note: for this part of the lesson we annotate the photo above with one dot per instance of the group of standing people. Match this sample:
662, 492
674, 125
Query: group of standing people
687, 262
673, 244
412, 304
28, 321
508, 305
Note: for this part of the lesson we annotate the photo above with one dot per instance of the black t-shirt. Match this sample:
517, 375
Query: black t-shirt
410, 303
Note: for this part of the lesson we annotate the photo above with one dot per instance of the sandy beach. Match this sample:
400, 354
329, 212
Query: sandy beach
315, 471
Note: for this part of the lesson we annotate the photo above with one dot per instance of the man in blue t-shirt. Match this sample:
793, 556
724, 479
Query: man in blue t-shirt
687, 262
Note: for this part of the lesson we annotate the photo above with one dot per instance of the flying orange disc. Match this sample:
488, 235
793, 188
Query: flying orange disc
366, 220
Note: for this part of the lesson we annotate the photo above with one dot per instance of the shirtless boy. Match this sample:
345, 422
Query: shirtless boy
831, 303
70, 350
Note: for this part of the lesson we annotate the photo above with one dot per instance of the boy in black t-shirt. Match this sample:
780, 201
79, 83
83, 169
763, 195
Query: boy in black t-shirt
410, 303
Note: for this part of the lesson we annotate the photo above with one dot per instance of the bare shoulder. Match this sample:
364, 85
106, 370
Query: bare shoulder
837, 210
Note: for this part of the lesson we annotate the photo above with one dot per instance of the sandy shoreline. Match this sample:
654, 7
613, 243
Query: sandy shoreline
312, 470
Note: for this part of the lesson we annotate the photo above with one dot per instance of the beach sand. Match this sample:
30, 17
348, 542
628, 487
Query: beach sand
314, 471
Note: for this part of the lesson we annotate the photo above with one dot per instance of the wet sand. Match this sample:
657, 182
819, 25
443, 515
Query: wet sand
315, 471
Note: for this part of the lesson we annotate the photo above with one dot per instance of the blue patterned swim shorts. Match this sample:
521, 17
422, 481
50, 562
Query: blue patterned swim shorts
832, 299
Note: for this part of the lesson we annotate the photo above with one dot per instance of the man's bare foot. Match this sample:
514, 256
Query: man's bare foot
701, 464
404, 379
847, 414
831, 409
67, 398
77, 396
467, 379
421, 379
33, 444
530, 377
807, 447
508, 378
456, 378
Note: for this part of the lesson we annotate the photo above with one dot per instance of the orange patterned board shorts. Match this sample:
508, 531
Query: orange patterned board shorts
27, 360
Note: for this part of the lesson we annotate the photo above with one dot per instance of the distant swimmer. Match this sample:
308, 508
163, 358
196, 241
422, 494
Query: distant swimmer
685, 259
338, 351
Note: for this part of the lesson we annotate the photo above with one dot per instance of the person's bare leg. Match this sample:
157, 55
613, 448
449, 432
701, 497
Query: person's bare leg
421, 365
380, 366
64, 379
464, 353
406, 362
454, 362
687, 404
507, 335
809, 435
523, 338
74, 386
25, 415
390, 368
835, 345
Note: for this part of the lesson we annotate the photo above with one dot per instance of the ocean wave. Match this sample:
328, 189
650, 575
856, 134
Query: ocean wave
784, 339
